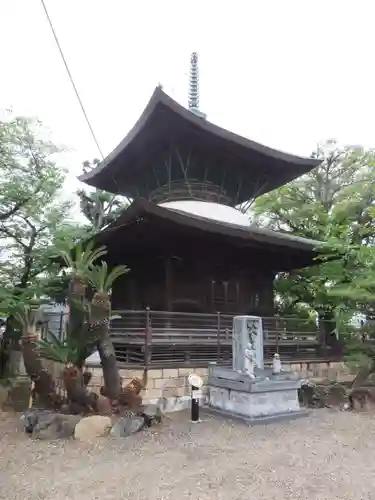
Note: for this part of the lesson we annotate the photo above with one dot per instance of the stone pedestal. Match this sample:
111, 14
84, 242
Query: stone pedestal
264, 399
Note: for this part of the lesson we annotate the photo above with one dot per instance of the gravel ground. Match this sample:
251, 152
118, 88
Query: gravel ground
327, 455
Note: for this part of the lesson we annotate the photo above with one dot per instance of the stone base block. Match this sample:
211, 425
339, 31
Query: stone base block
267, 419
266, 397
254, 404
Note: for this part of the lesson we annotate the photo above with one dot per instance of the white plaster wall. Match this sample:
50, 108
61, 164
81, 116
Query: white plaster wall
209, 210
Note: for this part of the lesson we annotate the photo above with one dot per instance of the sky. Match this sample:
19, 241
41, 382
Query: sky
284, 73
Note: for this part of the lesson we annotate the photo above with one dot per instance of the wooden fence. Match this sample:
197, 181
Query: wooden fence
162, 339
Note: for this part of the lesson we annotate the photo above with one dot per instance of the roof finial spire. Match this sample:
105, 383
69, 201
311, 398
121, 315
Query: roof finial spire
193, 95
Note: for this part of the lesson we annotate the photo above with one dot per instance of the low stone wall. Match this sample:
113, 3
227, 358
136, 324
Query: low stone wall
172, 383
336, 371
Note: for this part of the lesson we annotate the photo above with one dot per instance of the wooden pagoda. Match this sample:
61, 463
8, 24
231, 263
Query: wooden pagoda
183, 173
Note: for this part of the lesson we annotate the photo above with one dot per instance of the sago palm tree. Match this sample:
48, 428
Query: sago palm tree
25, 317
102, 281
80, 260
70, 353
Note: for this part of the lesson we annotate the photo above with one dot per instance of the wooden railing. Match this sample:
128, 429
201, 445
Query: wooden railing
160, 338
172, 338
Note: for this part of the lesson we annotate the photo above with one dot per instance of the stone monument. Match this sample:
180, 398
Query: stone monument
249, 391
247, 330
249, 360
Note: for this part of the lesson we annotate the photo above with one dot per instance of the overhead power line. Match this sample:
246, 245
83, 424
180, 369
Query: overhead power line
71, 79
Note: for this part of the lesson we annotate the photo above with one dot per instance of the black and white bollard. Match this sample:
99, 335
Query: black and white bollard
196, 383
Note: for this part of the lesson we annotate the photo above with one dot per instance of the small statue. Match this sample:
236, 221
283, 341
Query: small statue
276, 364
249, 360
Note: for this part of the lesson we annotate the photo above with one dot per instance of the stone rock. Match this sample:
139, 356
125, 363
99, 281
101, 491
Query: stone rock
330, 394
59, 426
32, 417
48, 425
153, 413
125, 426
103, 406
90, 428
306, 393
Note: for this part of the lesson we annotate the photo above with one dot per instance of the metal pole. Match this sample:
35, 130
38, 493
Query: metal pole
194, 404
218, 338
195, 383
147, 338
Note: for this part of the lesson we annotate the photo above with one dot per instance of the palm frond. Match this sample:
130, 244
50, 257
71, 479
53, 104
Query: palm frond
101, 280
115, 273
54, 351
75, 349
97, 276
24, 316
21, 320
54, 340
90, 254
67, 258
82, 256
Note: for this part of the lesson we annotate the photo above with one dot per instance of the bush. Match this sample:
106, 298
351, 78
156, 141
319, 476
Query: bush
358, 355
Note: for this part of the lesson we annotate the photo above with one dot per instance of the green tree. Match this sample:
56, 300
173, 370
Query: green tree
333, 204
99, 207
87, 329
34, 216
25, 158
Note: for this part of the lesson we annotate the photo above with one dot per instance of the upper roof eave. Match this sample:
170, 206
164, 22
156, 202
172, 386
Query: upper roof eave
140, 206
160, 97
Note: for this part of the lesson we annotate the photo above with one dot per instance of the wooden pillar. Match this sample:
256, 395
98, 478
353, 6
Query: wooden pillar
266, 302
168, 299
132, 294
225, 285
212, 299
238, 295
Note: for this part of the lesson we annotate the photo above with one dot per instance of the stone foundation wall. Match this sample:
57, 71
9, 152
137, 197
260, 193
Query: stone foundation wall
172, 383
168, 383
336, 371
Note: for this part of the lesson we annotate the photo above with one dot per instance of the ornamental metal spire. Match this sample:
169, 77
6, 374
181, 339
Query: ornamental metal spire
193, 95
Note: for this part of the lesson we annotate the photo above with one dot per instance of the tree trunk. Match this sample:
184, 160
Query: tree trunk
76, 299
78, 324
44, 383
99, 322
327, 326
80, 400
363, 374
111, 375
8, 342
